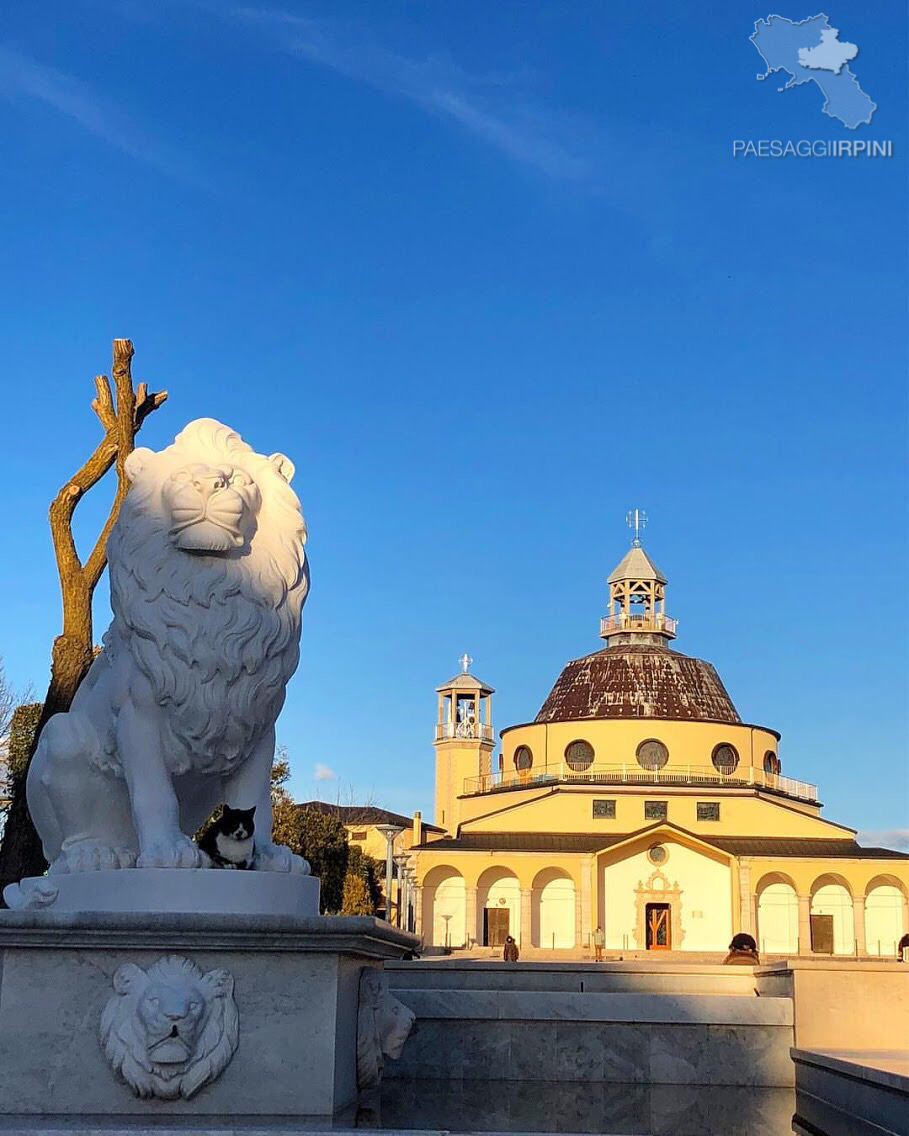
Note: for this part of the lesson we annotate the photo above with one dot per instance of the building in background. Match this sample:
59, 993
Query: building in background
362, 823
637, 800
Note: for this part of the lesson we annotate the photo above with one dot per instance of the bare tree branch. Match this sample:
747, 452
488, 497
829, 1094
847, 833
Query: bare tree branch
121, 412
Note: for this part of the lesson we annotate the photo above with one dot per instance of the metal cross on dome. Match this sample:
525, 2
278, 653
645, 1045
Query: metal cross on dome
637, 520
465, 661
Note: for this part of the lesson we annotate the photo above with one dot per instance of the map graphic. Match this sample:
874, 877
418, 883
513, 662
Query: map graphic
813, 52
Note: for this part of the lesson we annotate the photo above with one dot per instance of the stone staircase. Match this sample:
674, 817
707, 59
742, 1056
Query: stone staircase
630, 1022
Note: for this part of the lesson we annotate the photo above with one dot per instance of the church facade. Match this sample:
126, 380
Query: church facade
639, 802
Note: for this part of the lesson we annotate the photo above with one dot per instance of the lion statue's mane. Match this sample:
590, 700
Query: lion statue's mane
125, 1037
218, 638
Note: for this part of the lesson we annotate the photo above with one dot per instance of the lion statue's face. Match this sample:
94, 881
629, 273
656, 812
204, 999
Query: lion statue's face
171, 1029
171, 1015
212, 508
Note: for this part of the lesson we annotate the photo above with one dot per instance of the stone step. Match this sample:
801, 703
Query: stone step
580, 978
521, 1035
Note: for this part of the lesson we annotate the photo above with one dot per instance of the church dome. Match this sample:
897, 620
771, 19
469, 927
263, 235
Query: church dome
638, 680
637, 675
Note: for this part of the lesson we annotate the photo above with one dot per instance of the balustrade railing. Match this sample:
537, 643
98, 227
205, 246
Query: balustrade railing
637, 622
633, 774
477, 731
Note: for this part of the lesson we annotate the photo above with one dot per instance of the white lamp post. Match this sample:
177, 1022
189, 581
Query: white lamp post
389, 831
411, 895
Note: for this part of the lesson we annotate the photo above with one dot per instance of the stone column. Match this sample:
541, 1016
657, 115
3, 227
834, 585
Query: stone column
470, 915
745, 903
578, 921
804, 924
526, 917
418, 912
858, 924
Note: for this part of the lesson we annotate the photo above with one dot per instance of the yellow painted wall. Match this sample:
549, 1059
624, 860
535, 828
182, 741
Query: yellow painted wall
705, 898
457, 760
375, 844
708, 884
570, 809
615, 741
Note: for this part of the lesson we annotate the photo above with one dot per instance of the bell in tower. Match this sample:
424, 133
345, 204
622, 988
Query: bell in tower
464, 740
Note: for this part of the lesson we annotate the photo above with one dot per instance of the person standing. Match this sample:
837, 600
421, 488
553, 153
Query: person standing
511, 953
599, 941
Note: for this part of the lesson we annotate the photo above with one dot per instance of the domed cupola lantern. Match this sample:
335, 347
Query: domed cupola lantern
637, 597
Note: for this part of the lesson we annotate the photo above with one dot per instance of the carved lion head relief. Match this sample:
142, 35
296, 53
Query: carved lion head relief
384, 1024
171, 1029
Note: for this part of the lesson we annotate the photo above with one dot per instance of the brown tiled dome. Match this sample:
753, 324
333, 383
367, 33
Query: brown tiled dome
638, 681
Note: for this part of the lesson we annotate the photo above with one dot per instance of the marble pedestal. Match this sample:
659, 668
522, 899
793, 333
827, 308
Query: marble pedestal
295, 983
189, 890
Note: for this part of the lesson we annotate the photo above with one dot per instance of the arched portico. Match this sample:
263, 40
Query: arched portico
832, 916
444, 897
499, 906
553, 910
777, 914
886, 915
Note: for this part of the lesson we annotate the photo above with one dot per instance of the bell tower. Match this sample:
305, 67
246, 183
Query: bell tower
637, 597
464, 740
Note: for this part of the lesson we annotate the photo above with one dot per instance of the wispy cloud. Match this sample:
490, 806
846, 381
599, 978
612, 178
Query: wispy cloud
323, 773
24, 77
489, 107
887, 838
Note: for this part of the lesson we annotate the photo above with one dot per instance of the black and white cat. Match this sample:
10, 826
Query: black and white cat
228, 841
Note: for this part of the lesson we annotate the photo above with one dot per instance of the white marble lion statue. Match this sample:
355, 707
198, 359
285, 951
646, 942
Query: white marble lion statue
208, 578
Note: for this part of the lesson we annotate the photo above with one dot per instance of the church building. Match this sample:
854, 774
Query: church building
638, 801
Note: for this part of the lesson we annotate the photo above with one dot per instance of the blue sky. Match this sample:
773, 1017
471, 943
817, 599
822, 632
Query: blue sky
491, 276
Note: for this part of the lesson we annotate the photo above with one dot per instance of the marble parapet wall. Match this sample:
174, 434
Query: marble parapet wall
289, 991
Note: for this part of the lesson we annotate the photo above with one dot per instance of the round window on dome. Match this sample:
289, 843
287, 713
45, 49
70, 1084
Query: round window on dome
579, 756
771, 762
523, 758
725, 758
652, 754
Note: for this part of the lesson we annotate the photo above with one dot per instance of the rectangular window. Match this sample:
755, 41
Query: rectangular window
358, 836
708, 810
604, 810
656, 810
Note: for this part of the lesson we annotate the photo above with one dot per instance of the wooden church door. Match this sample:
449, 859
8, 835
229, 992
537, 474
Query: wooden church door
659, 935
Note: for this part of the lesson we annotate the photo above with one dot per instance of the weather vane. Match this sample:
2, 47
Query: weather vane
637, 520
465, 661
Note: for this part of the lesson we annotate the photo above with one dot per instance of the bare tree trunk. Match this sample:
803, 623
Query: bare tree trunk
121, 415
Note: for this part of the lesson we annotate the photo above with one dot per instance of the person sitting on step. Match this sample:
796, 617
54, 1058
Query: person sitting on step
742, 950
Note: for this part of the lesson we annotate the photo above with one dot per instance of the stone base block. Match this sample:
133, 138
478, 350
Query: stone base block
294, 981
187, 890
853, 1093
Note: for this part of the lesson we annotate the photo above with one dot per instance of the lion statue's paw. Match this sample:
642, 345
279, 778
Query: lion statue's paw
279, 858
91, 856
30, 895
177, 853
